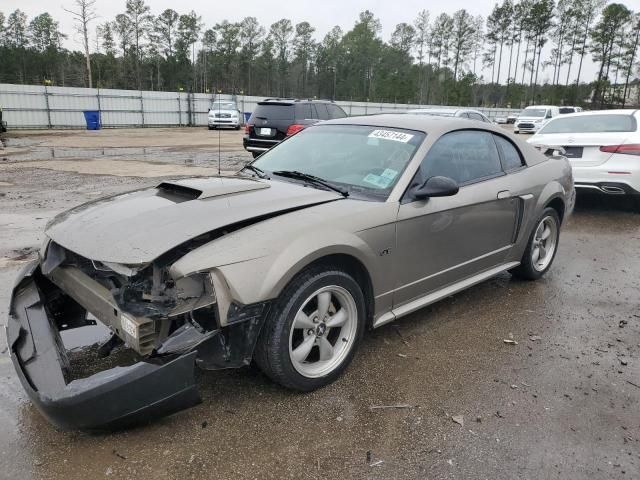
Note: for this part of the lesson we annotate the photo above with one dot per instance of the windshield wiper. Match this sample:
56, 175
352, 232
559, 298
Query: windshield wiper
311, 179
255, 170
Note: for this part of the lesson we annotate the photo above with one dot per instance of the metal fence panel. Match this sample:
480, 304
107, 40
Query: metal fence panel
34, 106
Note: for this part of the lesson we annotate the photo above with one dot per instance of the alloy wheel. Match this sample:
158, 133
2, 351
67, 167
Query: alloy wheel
323, 331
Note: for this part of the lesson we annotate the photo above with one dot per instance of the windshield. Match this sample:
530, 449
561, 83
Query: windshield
533, 112
591, 124
223, 106
361, 159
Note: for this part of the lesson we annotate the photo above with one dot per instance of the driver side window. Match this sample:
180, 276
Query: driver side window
466, 156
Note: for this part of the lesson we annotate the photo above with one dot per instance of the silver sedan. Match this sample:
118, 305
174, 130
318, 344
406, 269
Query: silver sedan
345, 226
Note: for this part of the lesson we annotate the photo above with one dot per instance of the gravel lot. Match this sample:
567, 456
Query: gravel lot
563, 403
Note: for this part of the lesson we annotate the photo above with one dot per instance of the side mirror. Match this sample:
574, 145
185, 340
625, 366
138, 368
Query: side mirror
436, 187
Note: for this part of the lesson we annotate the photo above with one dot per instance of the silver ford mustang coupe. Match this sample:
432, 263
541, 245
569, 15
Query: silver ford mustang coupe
343, 227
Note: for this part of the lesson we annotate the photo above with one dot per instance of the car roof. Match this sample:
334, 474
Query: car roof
431, 124
618, 111
542, 106
290, 101
452, 111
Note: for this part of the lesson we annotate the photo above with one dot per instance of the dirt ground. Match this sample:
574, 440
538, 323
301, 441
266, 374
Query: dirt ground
562, 403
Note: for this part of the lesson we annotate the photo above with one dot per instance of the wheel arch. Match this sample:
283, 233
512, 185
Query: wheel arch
354, 267
557, 203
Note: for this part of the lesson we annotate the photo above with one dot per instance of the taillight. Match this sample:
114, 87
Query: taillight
293, 129
247, 128
627, 149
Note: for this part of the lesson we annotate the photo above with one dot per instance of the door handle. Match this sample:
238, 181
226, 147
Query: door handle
503, 194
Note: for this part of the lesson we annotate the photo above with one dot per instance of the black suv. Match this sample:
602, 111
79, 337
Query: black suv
275, 119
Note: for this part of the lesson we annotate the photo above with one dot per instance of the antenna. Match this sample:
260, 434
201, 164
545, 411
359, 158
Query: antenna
219, 138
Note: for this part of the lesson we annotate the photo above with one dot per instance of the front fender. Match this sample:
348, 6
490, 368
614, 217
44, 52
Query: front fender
264, 278
254, 264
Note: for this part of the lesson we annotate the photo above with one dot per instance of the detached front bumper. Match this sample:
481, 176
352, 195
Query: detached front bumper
106, 400
159, 384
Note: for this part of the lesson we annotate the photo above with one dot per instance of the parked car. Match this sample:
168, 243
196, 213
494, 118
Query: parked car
452, 112
567, 110
225, 114
348, 225
275, 119
533, 118
602, 146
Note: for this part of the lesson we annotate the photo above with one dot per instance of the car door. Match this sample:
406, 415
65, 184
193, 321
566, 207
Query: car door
441, 241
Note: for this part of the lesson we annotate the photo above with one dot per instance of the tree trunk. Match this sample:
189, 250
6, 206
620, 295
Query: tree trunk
573, 48
515, 69
499, 62
86, 53
630, 67
582, 53
524, 63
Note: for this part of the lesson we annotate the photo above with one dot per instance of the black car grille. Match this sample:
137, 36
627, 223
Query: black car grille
223, 115
525, 125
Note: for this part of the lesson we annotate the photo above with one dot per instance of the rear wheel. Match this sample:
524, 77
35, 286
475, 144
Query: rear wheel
312, 333
542, 247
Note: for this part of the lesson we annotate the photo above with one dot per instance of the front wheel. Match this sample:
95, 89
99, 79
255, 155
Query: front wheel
313, 330
542, 247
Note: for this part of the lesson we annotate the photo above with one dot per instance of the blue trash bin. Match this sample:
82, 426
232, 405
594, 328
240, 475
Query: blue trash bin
92, 117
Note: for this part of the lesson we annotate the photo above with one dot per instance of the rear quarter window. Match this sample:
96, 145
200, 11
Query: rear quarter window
511, 158
336, 112
303, 111
592, 124
321, 108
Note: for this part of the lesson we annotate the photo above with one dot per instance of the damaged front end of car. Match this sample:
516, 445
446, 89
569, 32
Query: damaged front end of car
170, 325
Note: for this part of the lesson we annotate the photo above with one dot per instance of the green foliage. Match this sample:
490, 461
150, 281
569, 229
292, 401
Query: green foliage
451, 58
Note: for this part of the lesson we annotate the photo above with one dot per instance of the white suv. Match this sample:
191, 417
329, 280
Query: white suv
533, 118
224, 114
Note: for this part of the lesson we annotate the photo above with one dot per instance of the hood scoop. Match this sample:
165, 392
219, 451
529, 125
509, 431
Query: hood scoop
201, 188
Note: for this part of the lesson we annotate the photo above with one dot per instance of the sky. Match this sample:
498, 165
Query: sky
322, 15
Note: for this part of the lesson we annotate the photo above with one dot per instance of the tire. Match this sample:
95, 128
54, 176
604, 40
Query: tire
211, 128
256, 154
516, 132
237, 127
280, 339
533, 270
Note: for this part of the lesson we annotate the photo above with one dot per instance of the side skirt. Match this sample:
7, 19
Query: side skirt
433, 297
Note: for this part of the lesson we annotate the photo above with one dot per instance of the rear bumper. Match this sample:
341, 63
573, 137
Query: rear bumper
617, 176
258, 145
108, 399
608, 188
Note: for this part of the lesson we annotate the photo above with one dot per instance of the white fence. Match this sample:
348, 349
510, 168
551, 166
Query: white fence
34, 106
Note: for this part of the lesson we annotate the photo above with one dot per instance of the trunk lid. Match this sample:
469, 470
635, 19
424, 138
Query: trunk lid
583, 149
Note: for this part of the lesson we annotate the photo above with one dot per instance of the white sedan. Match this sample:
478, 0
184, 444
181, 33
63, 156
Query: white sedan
602, 146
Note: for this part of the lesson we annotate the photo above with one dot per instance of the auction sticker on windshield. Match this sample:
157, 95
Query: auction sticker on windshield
391, 135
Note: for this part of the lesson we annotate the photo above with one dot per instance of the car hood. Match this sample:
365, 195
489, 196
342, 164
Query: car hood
137, 227
530, 119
